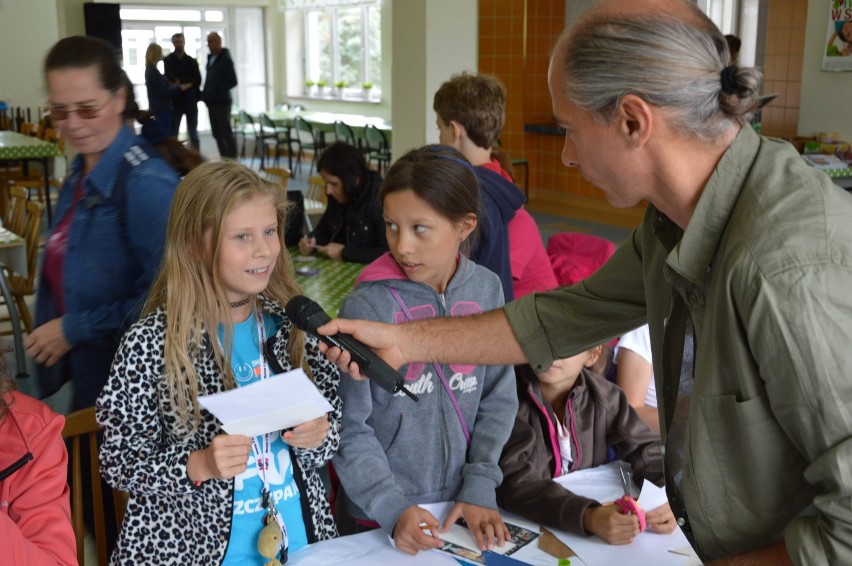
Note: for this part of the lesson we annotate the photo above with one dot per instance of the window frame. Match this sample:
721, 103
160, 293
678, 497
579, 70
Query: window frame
367, 72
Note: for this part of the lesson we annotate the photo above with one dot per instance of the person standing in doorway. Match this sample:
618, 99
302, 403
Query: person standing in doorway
221, 78
182, 68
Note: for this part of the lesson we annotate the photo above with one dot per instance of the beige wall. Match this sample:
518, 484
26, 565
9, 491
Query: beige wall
825, 95
27, 30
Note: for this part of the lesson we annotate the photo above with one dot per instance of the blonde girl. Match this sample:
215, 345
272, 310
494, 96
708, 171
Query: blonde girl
214, 320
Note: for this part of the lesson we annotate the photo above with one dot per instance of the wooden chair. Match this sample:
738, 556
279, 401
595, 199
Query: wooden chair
15, 217
80, 424
316, 200
276, 175
22, 285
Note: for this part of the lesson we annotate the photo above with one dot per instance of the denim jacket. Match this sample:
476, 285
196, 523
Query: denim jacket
113, 253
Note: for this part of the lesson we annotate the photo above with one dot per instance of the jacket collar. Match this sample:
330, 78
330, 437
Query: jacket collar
693, 253
103, 177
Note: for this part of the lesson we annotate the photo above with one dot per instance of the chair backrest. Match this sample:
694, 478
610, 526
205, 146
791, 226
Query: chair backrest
277, 175
266, 122
375, 138
247, 122
316, 189
32, 235
16, 215
82, 424
344, 132
282, 107
304, 130
316, 199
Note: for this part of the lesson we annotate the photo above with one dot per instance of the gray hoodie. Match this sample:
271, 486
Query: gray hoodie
394, 452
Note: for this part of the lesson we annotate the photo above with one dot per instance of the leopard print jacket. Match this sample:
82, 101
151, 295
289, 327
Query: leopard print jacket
146, 447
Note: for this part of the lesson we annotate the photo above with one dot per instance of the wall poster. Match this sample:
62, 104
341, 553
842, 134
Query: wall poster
838, 47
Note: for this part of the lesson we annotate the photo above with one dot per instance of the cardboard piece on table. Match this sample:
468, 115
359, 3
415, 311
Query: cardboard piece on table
553, 546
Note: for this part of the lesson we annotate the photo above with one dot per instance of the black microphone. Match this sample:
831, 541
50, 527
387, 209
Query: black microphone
307, 315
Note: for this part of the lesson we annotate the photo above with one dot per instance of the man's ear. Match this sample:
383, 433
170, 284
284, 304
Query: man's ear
635, 119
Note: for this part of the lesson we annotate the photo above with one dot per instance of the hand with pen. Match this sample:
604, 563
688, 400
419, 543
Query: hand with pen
417, 529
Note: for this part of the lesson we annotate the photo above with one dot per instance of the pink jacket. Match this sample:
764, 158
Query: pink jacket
35, 511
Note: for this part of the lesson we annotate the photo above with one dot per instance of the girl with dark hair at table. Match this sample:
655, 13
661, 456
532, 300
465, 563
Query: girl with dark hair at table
352, 227
107, 238
35, 515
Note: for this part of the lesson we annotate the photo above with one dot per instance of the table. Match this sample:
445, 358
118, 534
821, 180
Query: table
14, 257
324, 121
18, 147
841, 177
601, 483
333, 282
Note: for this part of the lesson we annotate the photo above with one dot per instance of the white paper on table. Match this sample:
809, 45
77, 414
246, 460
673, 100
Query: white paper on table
282, 401
604, 484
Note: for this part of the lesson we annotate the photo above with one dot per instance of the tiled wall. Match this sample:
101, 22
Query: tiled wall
503, 38
785, 46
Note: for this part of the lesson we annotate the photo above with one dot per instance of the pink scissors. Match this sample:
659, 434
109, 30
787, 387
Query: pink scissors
627, 504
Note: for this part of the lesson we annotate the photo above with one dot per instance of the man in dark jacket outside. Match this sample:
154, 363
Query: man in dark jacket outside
182, 68
221, 78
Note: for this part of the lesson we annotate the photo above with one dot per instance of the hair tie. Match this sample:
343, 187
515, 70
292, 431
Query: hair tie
729, 81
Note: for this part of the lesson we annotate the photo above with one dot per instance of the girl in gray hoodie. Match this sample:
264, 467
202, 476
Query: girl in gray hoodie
394, 453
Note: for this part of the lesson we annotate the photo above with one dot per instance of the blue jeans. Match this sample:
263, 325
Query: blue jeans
189, 110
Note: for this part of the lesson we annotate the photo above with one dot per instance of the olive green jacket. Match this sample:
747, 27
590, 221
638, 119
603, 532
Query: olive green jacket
765, 268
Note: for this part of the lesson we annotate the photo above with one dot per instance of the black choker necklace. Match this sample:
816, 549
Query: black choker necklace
238, 304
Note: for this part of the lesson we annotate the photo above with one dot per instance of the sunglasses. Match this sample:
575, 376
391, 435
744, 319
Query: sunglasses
84, 112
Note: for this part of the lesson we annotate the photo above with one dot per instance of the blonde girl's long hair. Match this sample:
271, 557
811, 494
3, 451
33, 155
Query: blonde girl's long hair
188, 286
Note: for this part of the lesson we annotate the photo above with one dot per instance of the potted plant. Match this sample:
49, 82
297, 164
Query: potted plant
310, 86
340, 86
322, 84
367, 87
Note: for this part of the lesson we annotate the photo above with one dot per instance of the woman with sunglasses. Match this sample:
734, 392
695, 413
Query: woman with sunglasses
107, 239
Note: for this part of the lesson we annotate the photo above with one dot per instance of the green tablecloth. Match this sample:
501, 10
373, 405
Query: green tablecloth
14, 146
333, 282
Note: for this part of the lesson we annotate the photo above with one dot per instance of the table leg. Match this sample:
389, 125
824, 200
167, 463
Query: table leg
17, 335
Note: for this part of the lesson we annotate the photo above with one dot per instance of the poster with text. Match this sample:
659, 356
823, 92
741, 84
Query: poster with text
838, 47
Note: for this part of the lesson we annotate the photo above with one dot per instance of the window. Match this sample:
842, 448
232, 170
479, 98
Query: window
242, 32
343, 44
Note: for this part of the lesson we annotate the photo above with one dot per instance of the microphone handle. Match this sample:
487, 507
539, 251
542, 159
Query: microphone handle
369, 363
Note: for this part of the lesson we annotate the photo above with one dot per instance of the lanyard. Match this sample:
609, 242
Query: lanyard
262, 459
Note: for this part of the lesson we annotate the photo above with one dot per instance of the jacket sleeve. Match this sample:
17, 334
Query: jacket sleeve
134, 456
327, 379
323, 230
148, 196
361, 462
529, 490
497, 407
632, 439
36, 528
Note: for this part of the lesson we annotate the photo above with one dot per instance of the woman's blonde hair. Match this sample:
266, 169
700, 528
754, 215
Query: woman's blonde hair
153, 54
188, 286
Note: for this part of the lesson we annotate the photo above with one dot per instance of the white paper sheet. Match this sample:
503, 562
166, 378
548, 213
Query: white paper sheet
282, 401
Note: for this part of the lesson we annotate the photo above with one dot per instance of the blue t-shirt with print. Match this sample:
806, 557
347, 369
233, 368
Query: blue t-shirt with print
247, 520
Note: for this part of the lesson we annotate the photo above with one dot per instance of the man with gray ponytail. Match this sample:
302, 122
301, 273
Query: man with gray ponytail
741, 267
